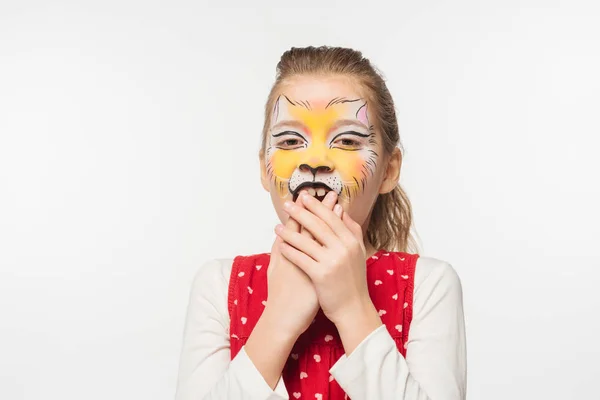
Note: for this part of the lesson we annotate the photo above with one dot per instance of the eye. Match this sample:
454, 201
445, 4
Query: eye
289, 141
347, 143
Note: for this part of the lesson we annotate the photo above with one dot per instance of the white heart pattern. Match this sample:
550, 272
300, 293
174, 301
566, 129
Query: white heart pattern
375, 257
398, 328
317, 358
386, 254
405, 305
382, 312
233, 335
390, 271
244, 319
402, 258
404, 276
330, 378
318, 396
264, 302
250, 290
297, 395
378, 282
294, 356
303, 375
258, 267
235, 302
241, 274
395, 297
328, 338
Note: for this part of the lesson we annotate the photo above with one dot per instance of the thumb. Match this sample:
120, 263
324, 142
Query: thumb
274, 257
353, 226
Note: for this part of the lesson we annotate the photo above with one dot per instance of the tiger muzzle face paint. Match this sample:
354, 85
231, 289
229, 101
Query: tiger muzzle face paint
321, 147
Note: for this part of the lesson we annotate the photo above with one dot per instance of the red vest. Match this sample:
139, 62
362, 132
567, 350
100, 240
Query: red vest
390, 278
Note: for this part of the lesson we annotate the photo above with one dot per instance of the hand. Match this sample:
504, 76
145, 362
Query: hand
335, 260
292, 300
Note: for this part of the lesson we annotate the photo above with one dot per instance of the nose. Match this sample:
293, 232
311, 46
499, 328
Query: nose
314, 170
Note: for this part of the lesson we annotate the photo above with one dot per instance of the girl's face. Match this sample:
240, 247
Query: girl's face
322, 137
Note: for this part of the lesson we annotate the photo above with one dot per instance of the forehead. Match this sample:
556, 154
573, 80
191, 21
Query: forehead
320, 91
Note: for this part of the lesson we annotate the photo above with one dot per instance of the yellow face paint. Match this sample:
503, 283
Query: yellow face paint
333, 145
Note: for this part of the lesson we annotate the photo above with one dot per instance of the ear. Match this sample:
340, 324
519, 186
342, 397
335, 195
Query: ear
392, 172
264, 180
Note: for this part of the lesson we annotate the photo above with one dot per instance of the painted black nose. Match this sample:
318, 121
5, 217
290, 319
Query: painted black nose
322, 168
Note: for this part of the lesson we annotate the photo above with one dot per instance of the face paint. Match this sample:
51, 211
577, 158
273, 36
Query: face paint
331, 145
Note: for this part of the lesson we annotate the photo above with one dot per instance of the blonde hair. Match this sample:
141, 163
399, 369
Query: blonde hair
391, 217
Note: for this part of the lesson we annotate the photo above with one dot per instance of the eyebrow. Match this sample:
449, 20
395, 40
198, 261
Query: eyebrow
295, 124
338, 124
345, 122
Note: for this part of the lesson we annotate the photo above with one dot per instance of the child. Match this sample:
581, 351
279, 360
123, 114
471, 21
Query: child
339, 308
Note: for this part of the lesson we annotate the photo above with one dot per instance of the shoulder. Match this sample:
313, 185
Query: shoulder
218, 270
433, 274
212, 274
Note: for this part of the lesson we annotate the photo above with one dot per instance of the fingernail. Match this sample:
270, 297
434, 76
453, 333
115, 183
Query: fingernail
288, 205
278, 228
337, 209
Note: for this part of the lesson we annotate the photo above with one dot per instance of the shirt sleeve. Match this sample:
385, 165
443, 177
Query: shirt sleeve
435, 363
206, 371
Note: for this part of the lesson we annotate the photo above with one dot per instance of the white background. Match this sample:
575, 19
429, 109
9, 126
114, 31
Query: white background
129, 133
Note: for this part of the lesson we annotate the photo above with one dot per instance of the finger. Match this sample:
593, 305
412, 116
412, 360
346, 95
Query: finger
329, 201
312, 223
338, 210
291, 222
303, 231
298, 258
301, 242
329, 217
306, 232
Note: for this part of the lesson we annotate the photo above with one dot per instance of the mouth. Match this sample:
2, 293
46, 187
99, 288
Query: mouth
317, 189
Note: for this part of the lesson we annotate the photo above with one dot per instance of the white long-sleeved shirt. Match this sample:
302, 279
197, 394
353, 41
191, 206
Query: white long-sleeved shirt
434, 368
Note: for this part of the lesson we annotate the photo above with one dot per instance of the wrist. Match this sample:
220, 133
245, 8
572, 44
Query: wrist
361, 308
356, 324
271, 322
268, 348
361, 313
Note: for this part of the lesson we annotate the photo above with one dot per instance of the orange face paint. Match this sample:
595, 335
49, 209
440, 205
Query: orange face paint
333, 144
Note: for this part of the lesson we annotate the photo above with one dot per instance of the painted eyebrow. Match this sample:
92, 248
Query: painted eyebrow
336, 125
295, 124
346, 122
287, 133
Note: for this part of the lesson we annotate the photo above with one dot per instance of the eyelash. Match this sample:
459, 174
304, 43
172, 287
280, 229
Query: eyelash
354, 142
284, 144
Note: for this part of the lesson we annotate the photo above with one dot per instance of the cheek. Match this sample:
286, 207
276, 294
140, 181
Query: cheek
284, 163
348, 163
